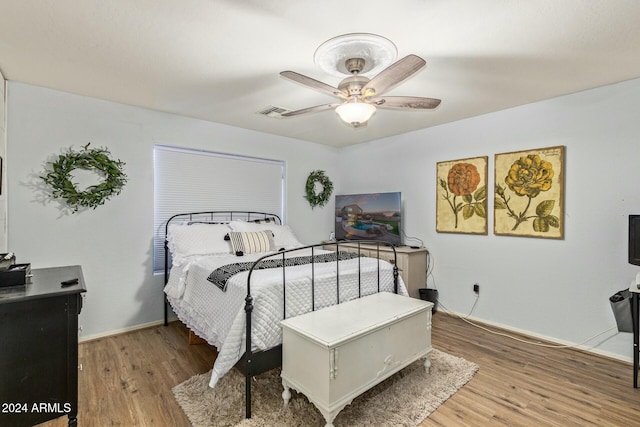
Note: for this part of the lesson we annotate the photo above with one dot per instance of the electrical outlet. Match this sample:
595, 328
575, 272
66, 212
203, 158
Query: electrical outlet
476, 289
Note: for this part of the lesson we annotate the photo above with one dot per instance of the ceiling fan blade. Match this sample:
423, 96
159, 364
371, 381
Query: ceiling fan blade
393, 74
405, 102
314, 84
316, 109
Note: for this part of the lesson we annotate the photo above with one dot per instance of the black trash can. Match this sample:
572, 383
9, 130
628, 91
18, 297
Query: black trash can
430, 295
621, 307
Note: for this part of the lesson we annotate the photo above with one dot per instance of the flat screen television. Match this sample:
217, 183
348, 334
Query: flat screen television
371, 216
634, 239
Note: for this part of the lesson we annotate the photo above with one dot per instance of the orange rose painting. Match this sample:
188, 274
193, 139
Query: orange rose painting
461, 205
529, 193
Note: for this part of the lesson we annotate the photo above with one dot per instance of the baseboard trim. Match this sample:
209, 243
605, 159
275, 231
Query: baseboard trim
449, 313
121, 331
541, 337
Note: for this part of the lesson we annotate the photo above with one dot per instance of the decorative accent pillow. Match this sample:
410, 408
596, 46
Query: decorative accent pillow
249, 242
283, 236
197, 239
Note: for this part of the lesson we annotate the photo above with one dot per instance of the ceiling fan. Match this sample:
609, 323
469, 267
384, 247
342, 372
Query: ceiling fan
360, 96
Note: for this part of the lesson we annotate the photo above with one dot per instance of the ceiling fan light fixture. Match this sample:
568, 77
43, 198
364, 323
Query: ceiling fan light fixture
355, 113
356, 55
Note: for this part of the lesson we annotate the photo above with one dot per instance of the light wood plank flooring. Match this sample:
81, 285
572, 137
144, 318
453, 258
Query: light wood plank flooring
127, 379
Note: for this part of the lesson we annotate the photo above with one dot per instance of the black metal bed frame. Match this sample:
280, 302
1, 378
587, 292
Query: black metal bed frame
254, 363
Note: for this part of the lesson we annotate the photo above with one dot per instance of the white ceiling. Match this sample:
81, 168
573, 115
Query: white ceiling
219, 60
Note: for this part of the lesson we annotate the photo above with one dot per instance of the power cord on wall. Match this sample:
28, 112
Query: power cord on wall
503, 334
405, 238
431, 263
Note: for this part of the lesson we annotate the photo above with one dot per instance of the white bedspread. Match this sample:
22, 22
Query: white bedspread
219, 317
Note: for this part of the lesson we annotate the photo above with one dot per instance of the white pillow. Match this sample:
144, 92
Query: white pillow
283, 236
198, 239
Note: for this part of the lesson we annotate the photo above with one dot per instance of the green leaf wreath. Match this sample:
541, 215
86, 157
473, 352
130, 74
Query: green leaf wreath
321, 198
99, 160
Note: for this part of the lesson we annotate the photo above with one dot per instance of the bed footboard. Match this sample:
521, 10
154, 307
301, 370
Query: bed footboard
254, 363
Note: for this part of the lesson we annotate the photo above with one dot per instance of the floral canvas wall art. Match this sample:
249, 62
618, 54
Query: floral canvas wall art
529, 193
461, 196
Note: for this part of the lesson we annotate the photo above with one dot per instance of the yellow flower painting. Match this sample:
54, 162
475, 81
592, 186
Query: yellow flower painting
461, 196
529, 193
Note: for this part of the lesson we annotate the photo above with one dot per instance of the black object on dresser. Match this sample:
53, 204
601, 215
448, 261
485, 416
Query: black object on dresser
39, 348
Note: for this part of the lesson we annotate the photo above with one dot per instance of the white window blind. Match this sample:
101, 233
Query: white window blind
193, 180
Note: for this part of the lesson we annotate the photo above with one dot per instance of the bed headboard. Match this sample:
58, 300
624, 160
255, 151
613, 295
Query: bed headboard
220, 217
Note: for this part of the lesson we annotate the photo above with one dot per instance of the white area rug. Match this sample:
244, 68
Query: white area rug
405, 399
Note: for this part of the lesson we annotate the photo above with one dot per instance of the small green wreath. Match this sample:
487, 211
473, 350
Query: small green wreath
321, 198
58, 177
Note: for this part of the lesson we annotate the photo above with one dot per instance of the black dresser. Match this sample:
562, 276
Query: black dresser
39, 348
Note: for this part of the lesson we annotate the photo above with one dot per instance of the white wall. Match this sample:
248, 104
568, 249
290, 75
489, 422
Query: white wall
552, 288
3, 151
113, 243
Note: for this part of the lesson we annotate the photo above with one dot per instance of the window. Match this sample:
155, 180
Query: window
188, 180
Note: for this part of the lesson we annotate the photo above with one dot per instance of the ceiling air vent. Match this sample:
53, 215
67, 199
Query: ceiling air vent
273, 111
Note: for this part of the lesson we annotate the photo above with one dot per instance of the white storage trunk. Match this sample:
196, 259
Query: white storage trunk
335, 354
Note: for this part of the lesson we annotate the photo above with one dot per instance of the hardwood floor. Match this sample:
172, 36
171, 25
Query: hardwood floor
127, 379
525, 385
